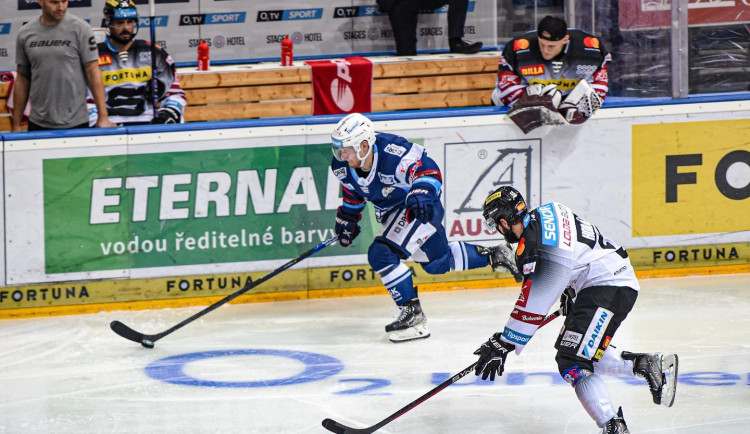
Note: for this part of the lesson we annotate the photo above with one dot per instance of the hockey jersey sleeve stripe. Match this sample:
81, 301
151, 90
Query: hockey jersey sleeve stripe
510, 95
428, 180
515, 337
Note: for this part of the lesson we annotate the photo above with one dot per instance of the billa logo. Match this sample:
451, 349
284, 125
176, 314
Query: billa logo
532, 70
105, 60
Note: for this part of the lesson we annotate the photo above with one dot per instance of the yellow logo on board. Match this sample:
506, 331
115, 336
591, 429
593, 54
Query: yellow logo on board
690, 178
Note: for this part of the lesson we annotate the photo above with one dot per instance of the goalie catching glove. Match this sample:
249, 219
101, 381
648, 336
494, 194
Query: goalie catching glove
492, 356
537, 108
347, 227
580, 104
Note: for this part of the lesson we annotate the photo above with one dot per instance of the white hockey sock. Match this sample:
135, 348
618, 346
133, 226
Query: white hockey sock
612, 363
458, 249
594, 396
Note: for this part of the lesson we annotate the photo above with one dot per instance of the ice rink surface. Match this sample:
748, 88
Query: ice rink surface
284, 367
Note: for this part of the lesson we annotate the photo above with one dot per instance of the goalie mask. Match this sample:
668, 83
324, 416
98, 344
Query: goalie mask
504, 203
120, 10
350, 132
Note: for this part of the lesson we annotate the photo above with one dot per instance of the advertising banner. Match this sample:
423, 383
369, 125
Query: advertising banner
474, 169
341, 85
684, 186
247, 199
651, 14
187, 208
238, 30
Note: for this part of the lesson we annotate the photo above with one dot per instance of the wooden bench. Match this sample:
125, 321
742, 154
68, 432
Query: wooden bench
269, 90
5, 123
274, 91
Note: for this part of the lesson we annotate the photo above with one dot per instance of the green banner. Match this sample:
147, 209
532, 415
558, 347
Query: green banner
191, 208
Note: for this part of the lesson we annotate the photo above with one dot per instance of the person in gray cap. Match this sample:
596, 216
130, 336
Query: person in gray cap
564, 70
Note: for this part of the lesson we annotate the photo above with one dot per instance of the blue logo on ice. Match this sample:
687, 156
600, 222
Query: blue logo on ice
172, 369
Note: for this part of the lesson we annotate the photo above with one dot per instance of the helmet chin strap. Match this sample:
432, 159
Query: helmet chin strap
363, 159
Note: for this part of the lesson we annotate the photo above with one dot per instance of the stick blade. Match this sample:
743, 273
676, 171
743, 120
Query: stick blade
333, 426
126, 332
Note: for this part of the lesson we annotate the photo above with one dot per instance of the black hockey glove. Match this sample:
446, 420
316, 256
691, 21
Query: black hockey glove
346, 227
567, 299
420, 204
501, 257
166, 115
492, 356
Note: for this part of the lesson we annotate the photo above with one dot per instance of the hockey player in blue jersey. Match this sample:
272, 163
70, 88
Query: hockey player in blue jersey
403, 184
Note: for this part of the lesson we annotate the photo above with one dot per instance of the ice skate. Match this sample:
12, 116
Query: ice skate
501, 259
654, 369
419, 331
411, 314
410, 323
616, 425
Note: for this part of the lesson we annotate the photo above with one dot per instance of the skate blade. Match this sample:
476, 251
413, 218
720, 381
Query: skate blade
419, 331
669, 390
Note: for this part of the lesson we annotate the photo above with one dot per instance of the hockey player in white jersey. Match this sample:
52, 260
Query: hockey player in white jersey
404, 184
125, 64
563, 256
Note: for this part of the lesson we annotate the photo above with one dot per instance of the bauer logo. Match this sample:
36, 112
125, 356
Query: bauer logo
290, 15
682, 186
213, 18
473, 170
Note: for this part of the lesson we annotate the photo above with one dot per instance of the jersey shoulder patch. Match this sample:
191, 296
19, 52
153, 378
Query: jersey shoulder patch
395, 149
521, 44
556, 226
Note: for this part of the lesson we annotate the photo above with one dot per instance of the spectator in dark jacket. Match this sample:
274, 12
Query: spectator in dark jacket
403, 17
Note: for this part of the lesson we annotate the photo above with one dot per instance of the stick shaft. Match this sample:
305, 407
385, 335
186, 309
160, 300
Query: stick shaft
154, 82
336, 427
128, 333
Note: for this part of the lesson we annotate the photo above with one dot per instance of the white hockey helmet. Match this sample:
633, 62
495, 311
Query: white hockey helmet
350, 132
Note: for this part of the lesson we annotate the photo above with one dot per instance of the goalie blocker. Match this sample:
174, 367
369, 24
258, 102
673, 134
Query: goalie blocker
541, 106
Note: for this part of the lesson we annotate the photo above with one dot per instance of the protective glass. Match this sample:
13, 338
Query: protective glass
490, 224
337, 148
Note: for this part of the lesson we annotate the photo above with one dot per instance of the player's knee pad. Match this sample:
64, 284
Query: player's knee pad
575, 374
380, 256
572, 368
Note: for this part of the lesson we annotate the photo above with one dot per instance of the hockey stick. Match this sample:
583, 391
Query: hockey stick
154, 83
148, 340
333, 426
